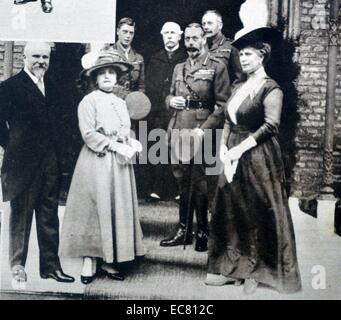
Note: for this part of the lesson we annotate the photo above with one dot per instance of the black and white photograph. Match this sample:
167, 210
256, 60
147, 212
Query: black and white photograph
184, 150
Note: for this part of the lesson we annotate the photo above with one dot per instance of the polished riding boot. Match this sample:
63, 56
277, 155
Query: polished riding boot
180, 237
201, 209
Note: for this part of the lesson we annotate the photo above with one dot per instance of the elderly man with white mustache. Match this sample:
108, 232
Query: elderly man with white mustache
219, 46
30, 170
158, 81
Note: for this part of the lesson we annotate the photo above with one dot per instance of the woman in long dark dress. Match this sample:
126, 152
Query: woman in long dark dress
251, 235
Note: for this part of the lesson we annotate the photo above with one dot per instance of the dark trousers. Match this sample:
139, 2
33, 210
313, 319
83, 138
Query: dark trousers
160, 179
41, 197
193, 195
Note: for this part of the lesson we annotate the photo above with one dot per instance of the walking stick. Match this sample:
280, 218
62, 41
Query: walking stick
188, 211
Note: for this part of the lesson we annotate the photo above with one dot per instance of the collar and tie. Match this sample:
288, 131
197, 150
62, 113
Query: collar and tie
41, 86
39, 82
125, 51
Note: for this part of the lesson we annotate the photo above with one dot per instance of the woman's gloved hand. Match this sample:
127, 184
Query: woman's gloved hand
230, 166
135, 144
124, 151
236, 152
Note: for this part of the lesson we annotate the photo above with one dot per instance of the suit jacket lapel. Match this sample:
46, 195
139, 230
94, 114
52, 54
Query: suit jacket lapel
30, 86
178, 56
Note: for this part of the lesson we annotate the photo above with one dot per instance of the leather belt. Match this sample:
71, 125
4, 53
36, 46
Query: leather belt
196, 104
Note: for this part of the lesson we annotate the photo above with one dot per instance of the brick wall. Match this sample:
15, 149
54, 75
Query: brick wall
2, 54
18, 51
17, 57
312, 85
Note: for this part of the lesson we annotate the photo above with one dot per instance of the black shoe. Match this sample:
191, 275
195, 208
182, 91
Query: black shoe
178, 239
201, 242
47, 6
87, 280
113, 275
57, 275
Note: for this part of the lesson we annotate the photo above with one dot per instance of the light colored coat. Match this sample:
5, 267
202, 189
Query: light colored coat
101, 215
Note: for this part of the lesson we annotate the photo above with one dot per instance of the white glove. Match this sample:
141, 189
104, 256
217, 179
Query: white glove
177, 102
199, 132
136, 145
125, 150
230, 167
236, 152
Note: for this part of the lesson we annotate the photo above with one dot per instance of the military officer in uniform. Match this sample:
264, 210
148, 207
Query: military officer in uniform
199, 90
125, 32
219, 46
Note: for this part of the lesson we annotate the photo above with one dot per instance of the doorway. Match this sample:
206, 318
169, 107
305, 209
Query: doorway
65, 65
150, 15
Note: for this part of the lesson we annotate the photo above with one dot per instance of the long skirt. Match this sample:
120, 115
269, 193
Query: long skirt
251, 231
101, 215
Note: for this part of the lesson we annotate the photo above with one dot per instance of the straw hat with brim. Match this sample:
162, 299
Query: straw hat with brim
246, 37
109, 59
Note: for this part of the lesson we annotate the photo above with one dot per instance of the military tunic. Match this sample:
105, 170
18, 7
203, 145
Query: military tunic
221, 48
208, 77
135, 80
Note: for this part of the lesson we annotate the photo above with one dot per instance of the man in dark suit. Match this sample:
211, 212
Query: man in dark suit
30, 173
158, 81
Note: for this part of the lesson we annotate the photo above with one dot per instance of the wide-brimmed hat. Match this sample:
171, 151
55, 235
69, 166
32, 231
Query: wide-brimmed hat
248, 36
108, 58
